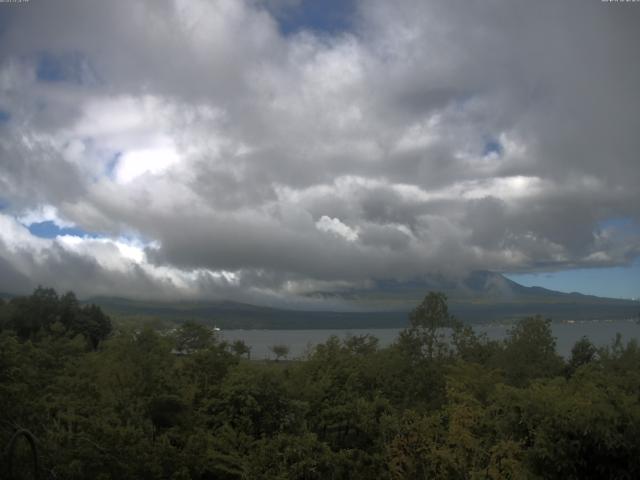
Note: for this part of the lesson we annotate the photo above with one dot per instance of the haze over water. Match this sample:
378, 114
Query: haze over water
601, 333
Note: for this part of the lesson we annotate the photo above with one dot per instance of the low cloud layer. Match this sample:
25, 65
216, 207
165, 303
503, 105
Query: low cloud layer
207, 154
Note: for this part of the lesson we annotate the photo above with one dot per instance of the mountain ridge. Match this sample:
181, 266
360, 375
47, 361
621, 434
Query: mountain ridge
480, 297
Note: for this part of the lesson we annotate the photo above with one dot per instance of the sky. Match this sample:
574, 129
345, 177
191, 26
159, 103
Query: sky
262, 150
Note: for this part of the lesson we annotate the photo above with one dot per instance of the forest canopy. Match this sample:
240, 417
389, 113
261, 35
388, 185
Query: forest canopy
104, 402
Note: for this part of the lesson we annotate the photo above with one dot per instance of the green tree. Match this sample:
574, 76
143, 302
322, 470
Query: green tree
583, 428
295, 457
530, 352
44, 313
69, 309
256, 401
204, 370
240, 348
93, 324
425, 336
34, 313
582, 353
192, 336
5, 314
280, 351
471, 347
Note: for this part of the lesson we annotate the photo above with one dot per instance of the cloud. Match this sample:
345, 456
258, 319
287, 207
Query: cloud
427, 137
335, 226
118, 267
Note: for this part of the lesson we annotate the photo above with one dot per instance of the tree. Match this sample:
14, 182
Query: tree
280, 351
423, 337
361, 344
192, 336
44, 312
166, 411
471, 347
254, 400
583, 352
293, 456
530, 352
34, 313
240, 348
5, 314
69, 308
93, 324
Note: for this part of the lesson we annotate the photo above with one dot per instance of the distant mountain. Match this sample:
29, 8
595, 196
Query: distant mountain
481, 296
487, 296
477, 287
234, 315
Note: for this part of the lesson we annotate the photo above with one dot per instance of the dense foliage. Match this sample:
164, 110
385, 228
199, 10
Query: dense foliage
181, 405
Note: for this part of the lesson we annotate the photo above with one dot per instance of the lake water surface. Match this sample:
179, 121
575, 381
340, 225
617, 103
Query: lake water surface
601, 333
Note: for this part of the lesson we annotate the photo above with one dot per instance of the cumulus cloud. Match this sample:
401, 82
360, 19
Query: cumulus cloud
243, 162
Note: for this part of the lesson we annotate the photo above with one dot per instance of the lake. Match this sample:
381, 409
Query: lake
601, 333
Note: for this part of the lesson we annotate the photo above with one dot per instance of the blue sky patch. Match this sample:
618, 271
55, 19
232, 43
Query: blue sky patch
328, 16
492, 146
49, 229
72, 67
111, 165
614, 282
4, 116
620, 224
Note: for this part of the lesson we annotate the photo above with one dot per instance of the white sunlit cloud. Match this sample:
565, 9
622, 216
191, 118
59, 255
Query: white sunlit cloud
27, 255
134, 163
117, 254
44, 213
335, 226
128, 136
421, 138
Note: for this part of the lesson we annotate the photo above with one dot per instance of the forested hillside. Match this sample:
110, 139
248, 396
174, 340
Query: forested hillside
109, 403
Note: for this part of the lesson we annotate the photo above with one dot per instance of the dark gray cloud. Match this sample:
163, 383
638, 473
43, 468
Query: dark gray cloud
433, 136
